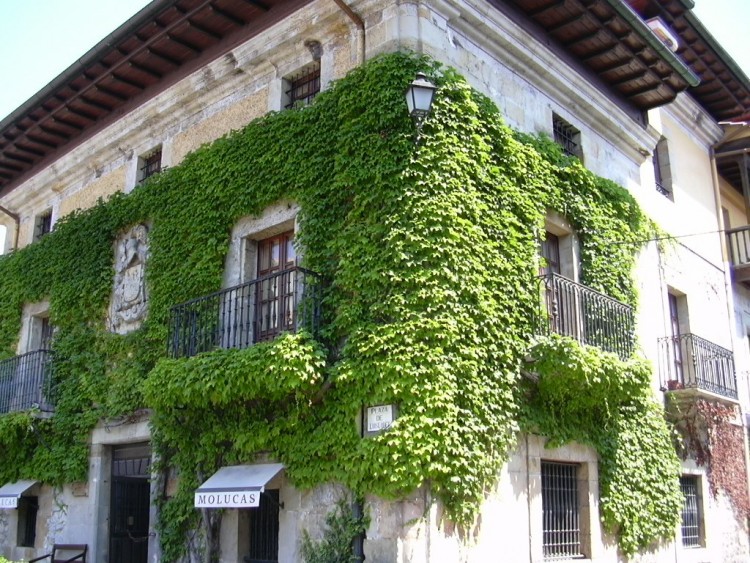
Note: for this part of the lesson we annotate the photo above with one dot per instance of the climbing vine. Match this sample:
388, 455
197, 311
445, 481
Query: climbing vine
712, 435
341, 528
594, 398
429, 254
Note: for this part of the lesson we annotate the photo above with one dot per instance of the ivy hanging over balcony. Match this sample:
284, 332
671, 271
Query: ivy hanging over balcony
429, 254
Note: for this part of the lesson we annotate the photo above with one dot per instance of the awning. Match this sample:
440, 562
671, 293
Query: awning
236, 486
10, 492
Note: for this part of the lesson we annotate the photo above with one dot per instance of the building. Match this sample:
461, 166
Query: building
481, 338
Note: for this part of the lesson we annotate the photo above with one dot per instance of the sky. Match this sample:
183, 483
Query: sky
41, 38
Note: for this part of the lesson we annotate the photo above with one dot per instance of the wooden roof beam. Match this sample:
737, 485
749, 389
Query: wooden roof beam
227, 16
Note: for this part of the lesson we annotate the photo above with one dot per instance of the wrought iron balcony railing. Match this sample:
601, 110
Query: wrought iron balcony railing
691, 362
590, 317
26, 382
243, 315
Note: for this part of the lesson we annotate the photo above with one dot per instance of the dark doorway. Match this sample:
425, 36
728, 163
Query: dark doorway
264, 529
129, 504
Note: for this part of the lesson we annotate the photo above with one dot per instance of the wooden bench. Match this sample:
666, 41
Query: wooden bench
65, 553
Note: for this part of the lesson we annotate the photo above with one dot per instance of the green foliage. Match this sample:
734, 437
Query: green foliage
429, 251
592, 397
336, 545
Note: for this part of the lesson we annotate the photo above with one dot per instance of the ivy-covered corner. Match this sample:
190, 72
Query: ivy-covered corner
429, 252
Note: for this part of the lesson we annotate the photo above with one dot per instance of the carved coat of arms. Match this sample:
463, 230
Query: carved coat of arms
129, 299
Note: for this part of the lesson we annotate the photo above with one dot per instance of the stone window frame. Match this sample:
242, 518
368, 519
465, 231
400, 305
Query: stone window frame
586, 459
242, 258
144, 165
31, 337
295, 93
569, 244
700, 512
567, 136
43, 224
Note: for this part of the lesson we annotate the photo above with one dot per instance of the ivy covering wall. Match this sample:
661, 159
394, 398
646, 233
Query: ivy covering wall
429, 252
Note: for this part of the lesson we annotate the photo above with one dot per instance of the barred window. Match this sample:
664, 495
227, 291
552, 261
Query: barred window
691, 512
302, 87
149, 164
42, 224
567, 136
561, 529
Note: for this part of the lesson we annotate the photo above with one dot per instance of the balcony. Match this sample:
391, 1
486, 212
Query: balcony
26, 382
240, 316
691, 362
590, 317
739, 254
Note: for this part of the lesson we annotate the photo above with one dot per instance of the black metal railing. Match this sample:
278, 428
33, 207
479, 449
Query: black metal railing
739, 245
691, 362
243, 315
26, 382
590, 317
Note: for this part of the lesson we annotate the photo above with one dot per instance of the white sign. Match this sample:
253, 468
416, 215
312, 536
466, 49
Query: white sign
379, 418
227, 499
9, 502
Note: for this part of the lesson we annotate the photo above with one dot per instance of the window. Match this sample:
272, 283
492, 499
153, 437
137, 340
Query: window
561, 526
264, 529
691, 511
567, 136
42, 224
27, 510
662, 170
276, 292
301, 88
675, 331
42, 330
550, 253
149, 164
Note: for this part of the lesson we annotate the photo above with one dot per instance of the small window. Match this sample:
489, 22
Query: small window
27, 509
690, 527
301, 88
276, 292
149, 164
550, 253
567, 136
561, 526
264, 529
662, 170
42, 224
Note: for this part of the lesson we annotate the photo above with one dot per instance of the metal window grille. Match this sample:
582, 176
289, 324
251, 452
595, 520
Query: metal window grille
264, 529
567, 136
43, 224
303, 87
26, 382
561, 530
151, 164
27, 510
691, 517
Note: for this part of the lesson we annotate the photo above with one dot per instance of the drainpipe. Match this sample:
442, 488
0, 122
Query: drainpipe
17, 221
358, 22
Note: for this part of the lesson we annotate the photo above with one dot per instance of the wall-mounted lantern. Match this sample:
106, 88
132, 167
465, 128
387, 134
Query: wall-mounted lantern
419, 97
